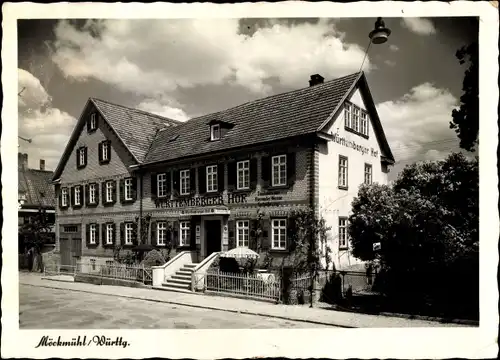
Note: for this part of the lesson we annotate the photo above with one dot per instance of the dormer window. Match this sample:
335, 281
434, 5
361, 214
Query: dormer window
215, 132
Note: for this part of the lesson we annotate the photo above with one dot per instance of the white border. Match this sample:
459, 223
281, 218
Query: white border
362, 343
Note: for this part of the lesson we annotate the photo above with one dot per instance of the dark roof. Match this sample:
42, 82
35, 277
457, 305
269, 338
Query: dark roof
276, 117
36, 185
136, 128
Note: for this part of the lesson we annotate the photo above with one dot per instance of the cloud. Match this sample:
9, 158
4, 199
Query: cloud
417, 124
420, 26
390, 63
393, 47
166, 110
154, 56
48, 127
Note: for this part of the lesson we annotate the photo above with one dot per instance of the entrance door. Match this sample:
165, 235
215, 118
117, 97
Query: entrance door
65, 248
213, 236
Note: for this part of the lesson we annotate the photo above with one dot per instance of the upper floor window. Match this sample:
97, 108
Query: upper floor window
161, 184
243, 181
279, 234
211, 178
342, 232
81, 154
215, 132
356, 119
184, 230
364, 123
184, 178
93, 233
109, 191
128, 233
368, 174
161, 233
343, 171
128, 189
109, 234
242, 233
64, 197
104, 152
279, 170
93, 121
78, 196
92, 193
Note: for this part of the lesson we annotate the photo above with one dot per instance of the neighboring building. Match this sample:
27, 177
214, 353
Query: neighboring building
206, 180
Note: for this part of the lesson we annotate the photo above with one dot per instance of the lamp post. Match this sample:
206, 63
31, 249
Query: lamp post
378, 35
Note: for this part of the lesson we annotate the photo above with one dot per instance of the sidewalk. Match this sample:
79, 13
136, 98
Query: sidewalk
289, 312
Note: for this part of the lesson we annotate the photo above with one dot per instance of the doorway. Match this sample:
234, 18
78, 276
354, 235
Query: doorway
212, 236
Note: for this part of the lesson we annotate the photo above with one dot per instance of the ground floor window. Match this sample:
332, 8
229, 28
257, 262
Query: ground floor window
109, 234
184, 230
92, 233
279, 234
161, 233
128, 233
242, 233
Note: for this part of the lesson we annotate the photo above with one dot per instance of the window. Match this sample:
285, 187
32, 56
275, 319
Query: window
105, 151
355, 118
364, 123
184, 230
161, 233
368, 174
161, 182
64, 197
128, 233
128, 189
243, 174
109, 191
242, 233
347, 115
109, 234
92, 189
279, 170
92, 263
78, 195
110, 263
279, 234
211, 178
184, 175
342, 232
93, 121
343, 171
92, 233
215, 132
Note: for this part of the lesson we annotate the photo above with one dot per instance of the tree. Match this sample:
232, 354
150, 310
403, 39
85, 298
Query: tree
35, 235
466, 119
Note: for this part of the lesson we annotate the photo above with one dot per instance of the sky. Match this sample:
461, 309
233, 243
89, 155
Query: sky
183, 68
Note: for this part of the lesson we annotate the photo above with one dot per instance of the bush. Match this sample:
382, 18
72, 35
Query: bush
229, 265
153, 258
332, 291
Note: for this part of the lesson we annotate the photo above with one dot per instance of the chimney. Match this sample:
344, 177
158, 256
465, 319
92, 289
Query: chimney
42, 164
316, 79
22, 161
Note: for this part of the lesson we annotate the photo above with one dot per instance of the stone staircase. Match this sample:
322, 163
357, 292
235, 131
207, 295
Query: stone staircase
181, 280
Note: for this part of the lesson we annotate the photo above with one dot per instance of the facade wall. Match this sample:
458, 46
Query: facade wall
335, 202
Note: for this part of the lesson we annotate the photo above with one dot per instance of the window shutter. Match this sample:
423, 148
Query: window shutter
168, 184
232, 176
97, 234
88, 124
114, 234
220, 177
266, 234
109, 150
72, 196
175, 232
87, 234
122, 233
97, 116
97, 191
176, 183
153, 233
99, 150
104, 198
253, 235
85, 155
86, 194
58, 191
114, 191
154, 187
134, 188
266, 171
103, 234
192, 180
122, 190
134, 232
202, 179
253, 173
290, 168
192, 233
77, 159
231, 232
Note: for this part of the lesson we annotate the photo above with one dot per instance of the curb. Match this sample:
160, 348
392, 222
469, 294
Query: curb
194, 306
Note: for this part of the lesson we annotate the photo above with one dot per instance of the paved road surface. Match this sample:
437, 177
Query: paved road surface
62, 309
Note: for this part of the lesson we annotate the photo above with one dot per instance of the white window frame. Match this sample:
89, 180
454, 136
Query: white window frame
212, 178
93, 121
92, 233
278, 227
243, 175
343, 236
161, 229
184, 231
64, 196
215, 132
161, 184
355, 117
128, 232
368, 174
105, 151
109, 234
343, 171
184, 178
347, 115
279, 162
78, 195
127, 188
81, 156
92, 190
364, 123
243, 233
109, 191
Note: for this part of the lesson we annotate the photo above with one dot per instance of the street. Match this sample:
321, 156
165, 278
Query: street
44, 308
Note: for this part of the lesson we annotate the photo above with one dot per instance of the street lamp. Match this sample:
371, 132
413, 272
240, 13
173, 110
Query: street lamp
378, 35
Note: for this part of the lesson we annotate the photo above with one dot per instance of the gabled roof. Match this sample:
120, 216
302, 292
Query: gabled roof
286, 115
135, 128
37, 187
